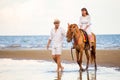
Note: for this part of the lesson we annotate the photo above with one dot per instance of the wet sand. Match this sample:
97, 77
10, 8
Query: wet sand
45, 70
36, 64
109, 58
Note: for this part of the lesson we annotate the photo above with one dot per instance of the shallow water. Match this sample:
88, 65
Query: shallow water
103, 42
43, 70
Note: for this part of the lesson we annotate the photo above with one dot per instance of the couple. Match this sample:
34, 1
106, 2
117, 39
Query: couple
57, 35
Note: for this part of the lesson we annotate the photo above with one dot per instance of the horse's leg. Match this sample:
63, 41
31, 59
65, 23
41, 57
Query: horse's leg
93, 53
81, 54
95, 63
80, 72
95, 58
88, 77
87, 56
77, 57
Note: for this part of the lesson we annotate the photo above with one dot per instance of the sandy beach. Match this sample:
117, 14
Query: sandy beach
109, 58
35, 64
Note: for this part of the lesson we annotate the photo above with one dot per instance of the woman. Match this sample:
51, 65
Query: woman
85, 22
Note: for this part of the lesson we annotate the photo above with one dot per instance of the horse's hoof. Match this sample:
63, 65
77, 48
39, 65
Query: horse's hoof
95, 68
86, 69
82, 70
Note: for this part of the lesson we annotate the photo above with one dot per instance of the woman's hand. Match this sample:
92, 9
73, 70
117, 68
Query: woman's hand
86, 27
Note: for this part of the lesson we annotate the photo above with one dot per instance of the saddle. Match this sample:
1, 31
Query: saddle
86, 39
85, 35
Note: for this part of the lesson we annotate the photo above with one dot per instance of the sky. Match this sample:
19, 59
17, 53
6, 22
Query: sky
35, 17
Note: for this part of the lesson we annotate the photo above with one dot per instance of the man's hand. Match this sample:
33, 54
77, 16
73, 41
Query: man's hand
49, 41
47, 47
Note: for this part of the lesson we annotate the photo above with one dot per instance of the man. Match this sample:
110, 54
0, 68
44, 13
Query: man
56, 37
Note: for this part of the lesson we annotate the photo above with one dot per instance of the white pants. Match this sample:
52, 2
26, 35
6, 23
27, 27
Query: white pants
89, 32
56, 49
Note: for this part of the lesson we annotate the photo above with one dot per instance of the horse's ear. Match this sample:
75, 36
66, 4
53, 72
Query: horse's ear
68, 25
76, 26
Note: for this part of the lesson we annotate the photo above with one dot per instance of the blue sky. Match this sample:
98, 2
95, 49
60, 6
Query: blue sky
35, 17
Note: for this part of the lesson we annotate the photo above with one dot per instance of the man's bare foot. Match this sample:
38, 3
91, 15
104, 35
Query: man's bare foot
58, 69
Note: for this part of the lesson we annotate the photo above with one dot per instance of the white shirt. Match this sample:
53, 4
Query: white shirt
57, 37
84, 21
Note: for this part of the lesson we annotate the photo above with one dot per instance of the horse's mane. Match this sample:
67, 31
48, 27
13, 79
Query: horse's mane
76, 28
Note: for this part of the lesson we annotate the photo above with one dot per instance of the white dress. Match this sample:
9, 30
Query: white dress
84, 21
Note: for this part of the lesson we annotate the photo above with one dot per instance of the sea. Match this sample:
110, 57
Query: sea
40, 42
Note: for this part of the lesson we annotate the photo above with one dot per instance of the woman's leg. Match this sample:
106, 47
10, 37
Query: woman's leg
89, 32
90, 38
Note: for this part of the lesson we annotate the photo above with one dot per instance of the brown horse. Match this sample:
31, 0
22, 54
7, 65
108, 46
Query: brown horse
75, 34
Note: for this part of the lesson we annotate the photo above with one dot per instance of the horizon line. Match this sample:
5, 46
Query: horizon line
48, 35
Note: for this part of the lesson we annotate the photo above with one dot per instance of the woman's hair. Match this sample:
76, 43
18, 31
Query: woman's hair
84, 9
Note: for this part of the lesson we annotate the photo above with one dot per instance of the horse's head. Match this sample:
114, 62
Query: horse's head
70, 32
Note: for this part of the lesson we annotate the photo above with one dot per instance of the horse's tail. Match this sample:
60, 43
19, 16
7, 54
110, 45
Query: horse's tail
93, 54
93, 51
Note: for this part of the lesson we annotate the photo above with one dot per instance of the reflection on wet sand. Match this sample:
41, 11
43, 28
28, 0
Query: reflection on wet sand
44, 70
91, 75
87, 75
59, 75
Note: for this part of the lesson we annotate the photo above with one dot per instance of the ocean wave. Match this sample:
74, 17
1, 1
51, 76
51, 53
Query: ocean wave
2, 46
14, 46
103, 42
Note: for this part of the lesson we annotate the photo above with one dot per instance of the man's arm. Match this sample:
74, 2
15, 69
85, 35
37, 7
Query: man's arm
49, 40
